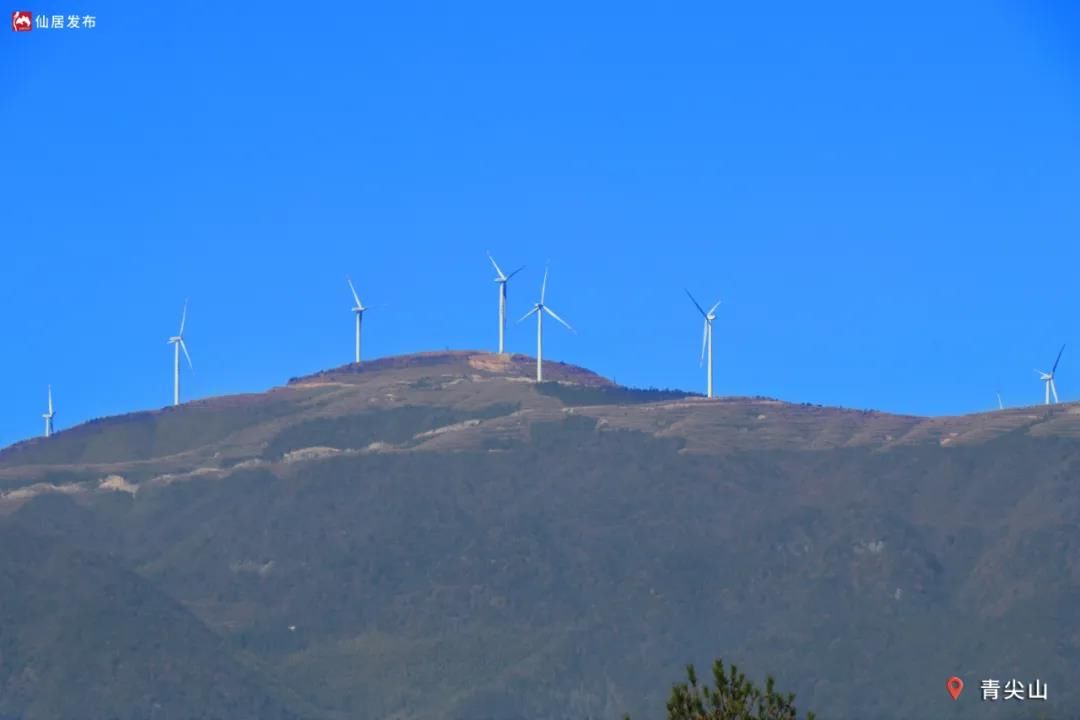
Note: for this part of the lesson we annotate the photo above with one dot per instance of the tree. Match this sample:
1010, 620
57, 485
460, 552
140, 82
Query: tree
733, 698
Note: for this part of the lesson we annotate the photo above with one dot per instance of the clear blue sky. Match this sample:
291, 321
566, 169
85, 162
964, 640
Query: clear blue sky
886, 197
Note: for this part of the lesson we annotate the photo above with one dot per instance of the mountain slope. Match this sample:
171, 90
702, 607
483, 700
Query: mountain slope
82, 637
436, 537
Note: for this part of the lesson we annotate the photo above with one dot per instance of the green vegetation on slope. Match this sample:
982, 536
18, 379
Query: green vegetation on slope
81, 637
577, 395
562, 570
731, 697
556, 577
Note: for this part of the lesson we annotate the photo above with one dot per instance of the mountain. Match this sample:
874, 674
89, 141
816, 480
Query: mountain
82, 636
437, 537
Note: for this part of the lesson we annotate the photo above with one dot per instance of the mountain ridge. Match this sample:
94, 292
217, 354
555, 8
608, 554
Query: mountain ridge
479, 366
439, 538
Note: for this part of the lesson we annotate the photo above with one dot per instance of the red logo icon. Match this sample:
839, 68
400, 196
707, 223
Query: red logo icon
955, 686
22, 21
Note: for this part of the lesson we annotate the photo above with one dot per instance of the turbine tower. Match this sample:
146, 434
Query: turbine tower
358, 310
539, 309
177, 341
49, 416
706, 339
1048, 378
502, 279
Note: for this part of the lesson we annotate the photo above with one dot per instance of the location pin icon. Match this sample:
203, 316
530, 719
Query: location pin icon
955, 686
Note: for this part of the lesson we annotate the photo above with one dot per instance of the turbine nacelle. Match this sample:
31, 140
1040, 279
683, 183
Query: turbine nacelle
709, 314
540, 309
359, 307
502, 277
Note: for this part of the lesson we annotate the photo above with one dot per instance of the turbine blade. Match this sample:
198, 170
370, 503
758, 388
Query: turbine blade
515, 272
551, 312
50, 399
497, 268
183, 346
183, 319
704, 339
698, 306
543, 287
1058, 360
1053, 389
526, 316
355, 296
713, 308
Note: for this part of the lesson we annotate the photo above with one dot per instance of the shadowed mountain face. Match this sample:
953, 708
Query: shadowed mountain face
435, 536
80, 636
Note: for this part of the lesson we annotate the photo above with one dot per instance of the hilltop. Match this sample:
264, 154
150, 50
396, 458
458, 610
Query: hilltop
436, 536
480, 396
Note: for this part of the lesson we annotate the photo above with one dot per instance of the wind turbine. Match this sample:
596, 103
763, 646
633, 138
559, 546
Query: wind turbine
539, 309
1001, 405
49, 416
706, 339
177, 341
1048, 378
358, 310
502, 279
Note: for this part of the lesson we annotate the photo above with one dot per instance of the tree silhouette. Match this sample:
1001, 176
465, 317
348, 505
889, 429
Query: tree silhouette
732, 697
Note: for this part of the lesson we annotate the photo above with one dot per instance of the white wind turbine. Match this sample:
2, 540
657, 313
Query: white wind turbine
706, 339
1048, 378
502, 279
177, 341
358, 310
539, 309
49, 416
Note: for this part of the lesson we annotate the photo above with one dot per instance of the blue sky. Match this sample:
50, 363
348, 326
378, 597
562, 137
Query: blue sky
884, 196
